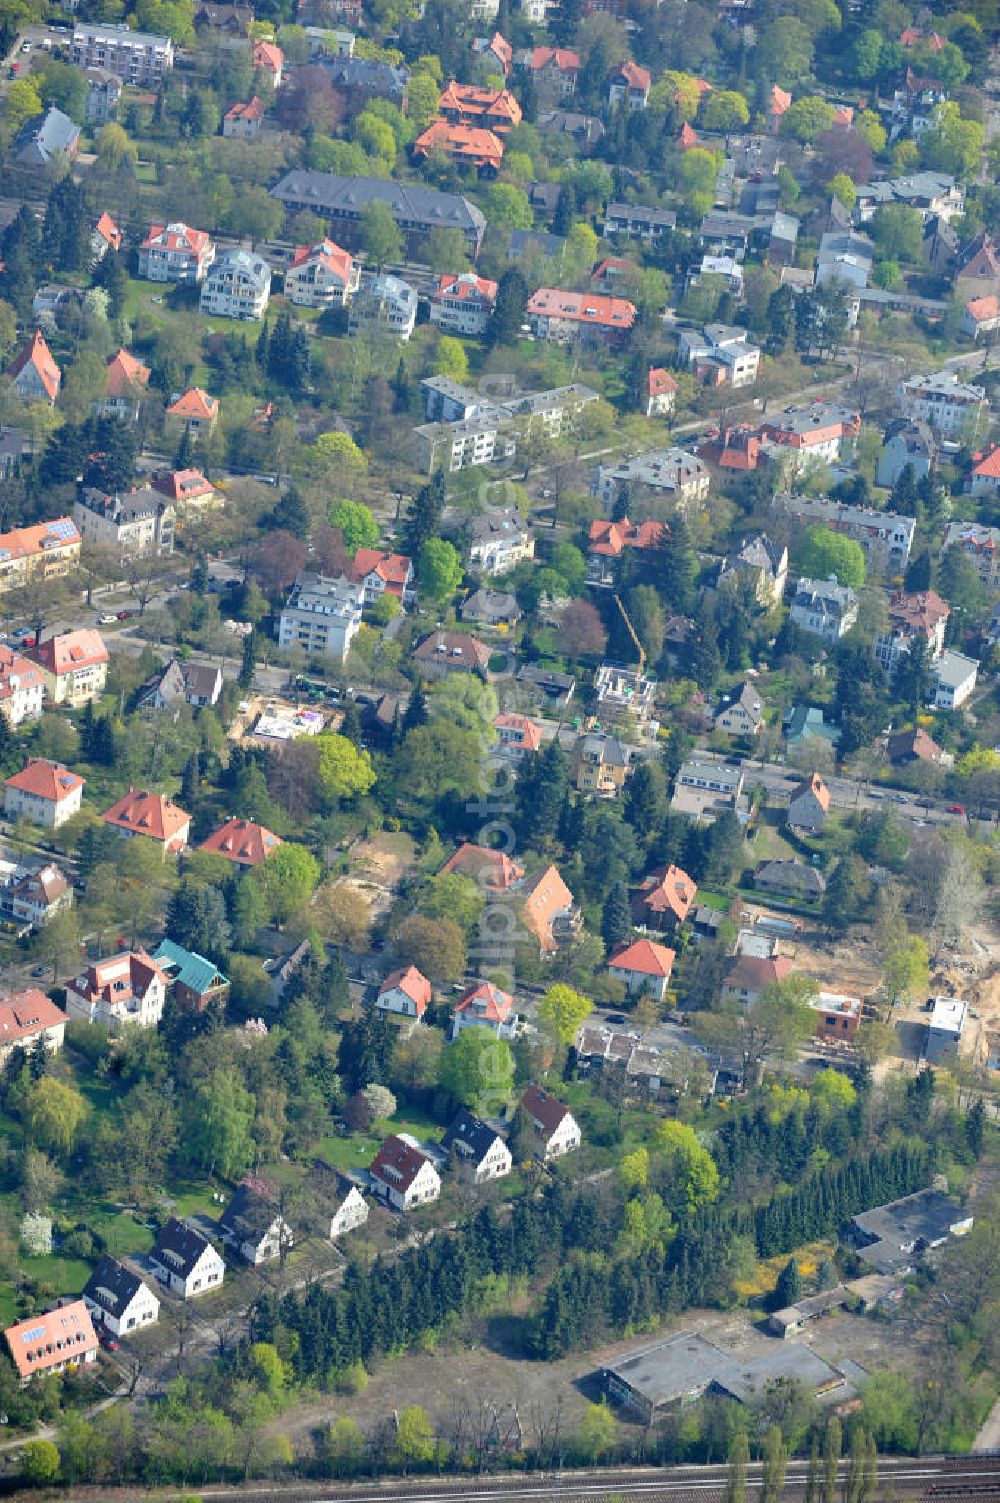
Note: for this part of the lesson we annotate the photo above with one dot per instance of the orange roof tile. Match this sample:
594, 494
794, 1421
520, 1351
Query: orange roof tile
44, 537
45, 779
490, 869
143, 813
124, 370
582, 307
546, 896
41, 1342
109, 231
194, 403
467, 143
38, 354
485, 1002
411, 982
242, 841
644, 957
70, 650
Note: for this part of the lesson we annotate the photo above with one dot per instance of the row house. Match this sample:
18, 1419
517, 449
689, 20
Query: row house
237, 286
585, 316
638, 222
944, 402
911, 614
321, 276
176, 253
136, 57
44, 792
463, 304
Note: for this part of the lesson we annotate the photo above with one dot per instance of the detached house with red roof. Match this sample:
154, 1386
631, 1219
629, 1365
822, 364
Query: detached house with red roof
644, 967
22, 687
152, 815
63, 1338
628, 86
33, 373
194, 410
470, 104
485, 1006
463, 304
402, 1175
556, 1129
27, 1016
244, 121
549, 910
268, 59
74, 666
664, 899
750, 975
469, 145
981, 316
127, 379
492, 870
106, 237
406, 992
517, 734
384, 573
242, 841
321, 276
661, 392
130, 988
607, 542
175, 253
554, 70
45, 792
912, 613
777, 104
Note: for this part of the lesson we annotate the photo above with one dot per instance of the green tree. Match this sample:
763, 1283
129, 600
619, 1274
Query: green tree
359, 527
690, 1168
788, 1287
439, 569
906, 969
345, 770
450, 359
616, 917
562, 1012
724, 109
832, 1445
843, 188
415, 1441
597, 1431
772, 1482
219, 1118
950, 143
507, 204
23, 102
807, 118
39, 1463
287, 880
54, 1112
823, 552
898, 232
381, 239
509, 308
832, 1094
478, 1070
773, 1026
736, 1476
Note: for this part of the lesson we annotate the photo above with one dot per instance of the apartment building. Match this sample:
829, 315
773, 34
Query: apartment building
885, 538
941, 400
136, 57
719, 355
322, 615
237, 286
341, 201
385, 305
175, 253
673, 474
46, 551
591, 318
321, 276
139, 521
463, 304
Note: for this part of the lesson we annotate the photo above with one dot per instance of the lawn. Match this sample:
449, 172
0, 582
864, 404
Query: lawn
358, 1150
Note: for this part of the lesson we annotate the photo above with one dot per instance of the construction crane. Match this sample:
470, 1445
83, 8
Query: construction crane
632, 633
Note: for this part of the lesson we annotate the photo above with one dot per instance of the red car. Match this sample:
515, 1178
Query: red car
955, 809
109, 1343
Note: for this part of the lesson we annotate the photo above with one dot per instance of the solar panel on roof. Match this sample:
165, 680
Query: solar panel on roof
62, 528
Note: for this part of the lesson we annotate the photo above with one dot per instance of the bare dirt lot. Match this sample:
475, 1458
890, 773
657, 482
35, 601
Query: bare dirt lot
378, 866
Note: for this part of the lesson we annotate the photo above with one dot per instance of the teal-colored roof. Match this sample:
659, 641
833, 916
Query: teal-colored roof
185, 966
807, 720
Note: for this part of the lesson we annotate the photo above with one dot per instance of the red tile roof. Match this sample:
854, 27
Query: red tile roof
668, 890
543, 1108
531, 732
812, 784
644, 957
37, 353
183, 485
267, 55
636, 76
44, 537
611, 538
397, 1163
474, 102
686, 137
920, 610
253, 109
563, 59
242, 841
983, 308
102, 981
490, 869
108, 231
462, 287
17, 673
177, 237
589, 308
150, 814
753, 973
413, 984
546, 896
45, 779
69, 651
46, 1341
780, 100
194, 403
467, 143
124, 370
25, 1014
660, 381
486, 1002
395, 569
329, 254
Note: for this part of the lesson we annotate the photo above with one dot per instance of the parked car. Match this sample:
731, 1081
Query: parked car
899, 798
108, 1342
955, 809
107, 619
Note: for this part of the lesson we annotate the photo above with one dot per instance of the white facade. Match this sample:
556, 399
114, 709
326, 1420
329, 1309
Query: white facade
22, 803
237, 286
463, 304
136, 57
942, 401
500, 541
322, 616
386, 305
207, 1274
564, 1139
352, 1212
423, 1188
325, 277
946, 1027
142, 1310
956, 679
824, 608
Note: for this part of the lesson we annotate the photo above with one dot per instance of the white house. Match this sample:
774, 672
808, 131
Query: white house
942, 401
22, 687
185, 1261
322, 615
956, 679
128, 988
824, 608
45, 792
485, 1006
237, 286
644, 967
742, 716
406, 992
403, 1175
500, 541
321, 276
463, 304
118, 1299
26, 1017
557, 1129
480, 1151
74, 666
719, 355
385, 305
350, 1209
252, 1226
176, 253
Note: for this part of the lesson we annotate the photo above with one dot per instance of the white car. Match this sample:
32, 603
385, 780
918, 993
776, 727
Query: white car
106, 620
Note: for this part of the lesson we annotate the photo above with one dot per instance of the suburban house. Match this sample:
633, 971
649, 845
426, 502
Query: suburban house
402, 1175
193, 982
911, 444
720, 355
186, 489
485, 1005
664, 899
907, 747
956, 679
130, 988
479, 1150
197, 683
490, 608
268, 60
516, 734
50, 1343
554, 70
127, 379
673, 474
601, 764
493, 870
838, 1017
466, 145
471, 104
44, 138
74, 666
118, 1299
244, 120
808, 805
32, 898
192, 411
175, 253
463, 304
644, 967
591, 317
742, 716
607, 541
321, 615
912, 613
385, 305
761, 564
445, 652
22, 687
406, 992
384, 573
27, 1016
244, 842
185, 1261
749, 976
252, 1226
104, 90
661, 392
792, 879
824, 608
33, 373
321, 276
556, 1129
45, 792
500, 540
628, 86
152, 815
238, 285
136, 57
132, 522
346, 1206
548, 909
